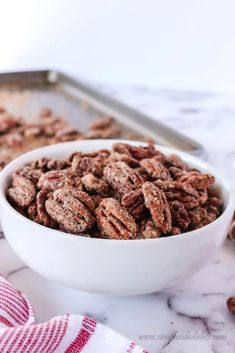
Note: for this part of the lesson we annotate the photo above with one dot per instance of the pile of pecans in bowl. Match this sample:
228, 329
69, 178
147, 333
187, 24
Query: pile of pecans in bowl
127, 193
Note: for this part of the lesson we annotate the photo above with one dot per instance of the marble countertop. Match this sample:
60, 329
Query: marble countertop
191, 317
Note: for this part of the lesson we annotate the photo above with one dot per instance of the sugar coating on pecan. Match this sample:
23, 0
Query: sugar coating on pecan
22, 193
155, 169
114, 221
55, 179
183, 192
148, 230
180, 217
137, 152
95, 185
29, 173
71, 208
156, 202
122, 178
133, 201
82, 165
198, 180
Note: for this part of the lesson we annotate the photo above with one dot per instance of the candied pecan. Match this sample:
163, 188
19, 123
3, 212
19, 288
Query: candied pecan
30, 173
175, 190
176, 173
175, 231
200, 217
32, 130
4, 160
132, 162
40, 164
155, 169
148, 230
114, 221
7, 121
122, 178
101, 123
134, 202
198, 180
231, 305
45, 112
103, 128
22, 193
97, 199
95, 185
175, 161
68, 134
55, 179
139, 152
52, 124
179, 215
82, 165
156, 202
37, 211
71, 208
13, 139
57, 164
202, 196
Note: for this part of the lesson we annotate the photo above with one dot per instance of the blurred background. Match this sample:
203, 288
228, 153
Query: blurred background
183, 44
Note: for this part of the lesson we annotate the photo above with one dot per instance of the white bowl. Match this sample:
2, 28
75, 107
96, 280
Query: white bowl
120, 267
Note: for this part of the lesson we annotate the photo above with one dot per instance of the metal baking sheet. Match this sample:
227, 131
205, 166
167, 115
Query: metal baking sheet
25, 93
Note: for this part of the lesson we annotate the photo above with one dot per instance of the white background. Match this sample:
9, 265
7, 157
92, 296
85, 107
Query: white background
187, 44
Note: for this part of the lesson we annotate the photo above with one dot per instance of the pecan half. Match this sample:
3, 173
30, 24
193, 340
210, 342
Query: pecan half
82, 165
56, 179
71, 209
37, 211
30, 173
114, 220
148, 230
134, 202
198, 180
22, 193
180, 218
132, 162
137, 152
95, 185
175, 190
175, 161
156, 202
122, 178
104, 128
155, 169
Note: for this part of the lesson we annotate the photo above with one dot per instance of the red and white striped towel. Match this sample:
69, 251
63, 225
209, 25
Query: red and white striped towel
63, 334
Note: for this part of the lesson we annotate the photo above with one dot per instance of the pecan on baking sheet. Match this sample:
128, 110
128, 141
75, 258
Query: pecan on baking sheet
114, 221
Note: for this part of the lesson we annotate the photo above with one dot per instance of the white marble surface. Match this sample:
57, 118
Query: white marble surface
191, 317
